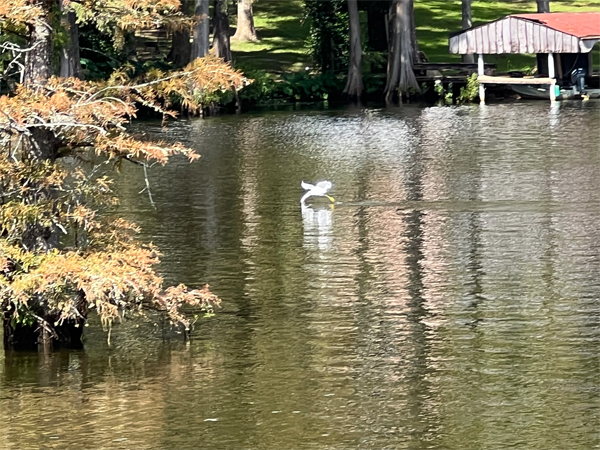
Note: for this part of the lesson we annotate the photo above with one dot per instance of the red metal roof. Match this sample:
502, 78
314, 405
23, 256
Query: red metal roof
582, 25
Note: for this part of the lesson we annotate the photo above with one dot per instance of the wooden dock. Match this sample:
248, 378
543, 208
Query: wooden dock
486, 79
459, 67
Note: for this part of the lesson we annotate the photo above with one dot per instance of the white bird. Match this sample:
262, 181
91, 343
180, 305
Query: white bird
320, 190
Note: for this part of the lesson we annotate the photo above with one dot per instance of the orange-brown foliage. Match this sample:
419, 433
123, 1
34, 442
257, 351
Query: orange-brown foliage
18, 12
98, 263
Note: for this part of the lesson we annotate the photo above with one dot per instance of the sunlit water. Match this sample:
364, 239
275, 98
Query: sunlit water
450, 300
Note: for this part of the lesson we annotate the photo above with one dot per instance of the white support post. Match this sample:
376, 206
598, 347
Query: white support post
553, 92
551, 75
550, 65
480, 71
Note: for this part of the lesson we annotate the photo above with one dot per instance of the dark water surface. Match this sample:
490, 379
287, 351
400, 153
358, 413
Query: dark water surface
451, 300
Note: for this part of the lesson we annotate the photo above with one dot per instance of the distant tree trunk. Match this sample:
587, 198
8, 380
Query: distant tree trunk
129, 45
181, 47
38, 61
70, 61
245, 30
467, 23
543, 6
393, 68
413, 33
354, 85
201, 43
377, 37
221, 42
400, 74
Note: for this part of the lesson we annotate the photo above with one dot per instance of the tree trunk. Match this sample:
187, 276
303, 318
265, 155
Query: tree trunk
393, 67
543, 6
180, 53
400, 74
378, 40
35, 337
354, 85
413, 33
245, 30
181, 47
70, 61
42, 145
221, 42
467, 23
38, 61
129, 45
201, 43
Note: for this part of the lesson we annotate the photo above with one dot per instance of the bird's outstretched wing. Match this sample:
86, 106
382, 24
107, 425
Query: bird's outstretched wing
325, 185
307, 186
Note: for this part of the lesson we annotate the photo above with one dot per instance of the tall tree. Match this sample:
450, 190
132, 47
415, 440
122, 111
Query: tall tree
58, 256
467, 23
354, 85
181, 48
400, 73
221, 39
70, 61
201, 43
245, 30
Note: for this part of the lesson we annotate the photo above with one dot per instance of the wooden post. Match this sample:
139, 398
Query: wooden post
480, 71
551, 75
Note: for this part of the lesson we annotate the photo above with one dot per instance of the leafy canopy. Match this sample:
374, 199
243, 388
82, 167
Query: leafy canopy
61, 251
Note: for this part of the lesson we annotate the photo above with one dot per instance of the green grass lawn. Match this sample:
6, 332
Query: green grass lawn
283, 33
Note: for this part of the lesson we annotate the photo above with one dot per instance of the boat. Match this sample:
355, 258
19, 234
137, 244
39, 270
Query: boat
543, 92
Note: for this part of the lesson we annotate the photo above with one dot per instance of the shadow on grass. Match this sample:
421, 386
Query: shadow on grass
282, 37
276, 34
272, 62
278, 8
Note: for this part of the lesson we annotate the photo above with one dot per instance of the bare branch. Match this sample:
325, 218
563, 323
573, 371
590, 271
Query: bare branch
66, 125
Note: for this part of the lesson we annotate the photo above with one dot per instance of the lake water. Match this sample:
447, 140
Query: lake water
449, 299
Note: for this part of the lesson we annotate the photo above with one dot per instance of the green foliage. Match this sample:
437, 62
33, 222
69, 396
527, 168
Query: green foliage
99, 59
374, 62
445, 96
267, 88
448, 97
469, 92
328, 40
373, 83
303, 86
264, 88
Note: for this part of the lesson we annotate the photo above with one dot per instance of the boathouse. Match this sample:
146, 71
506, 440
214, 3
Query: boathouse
565, 39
